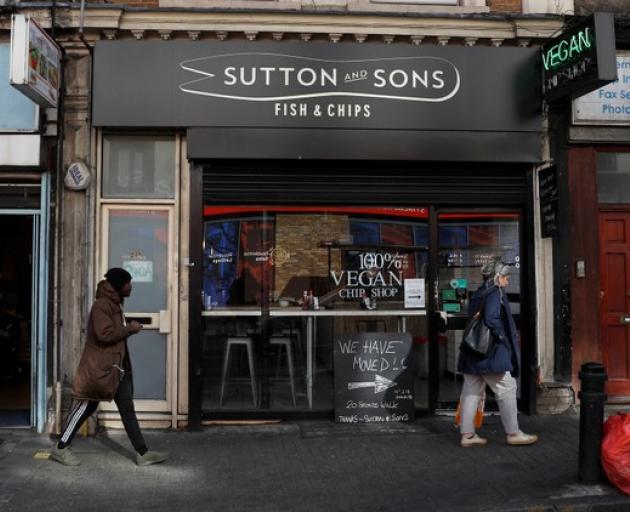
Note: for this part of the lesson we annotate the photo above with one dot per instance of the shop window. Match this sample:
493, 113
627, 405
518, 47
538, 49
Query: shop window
282, 284
338, 257
18, 112
469, 241
138, 167
613, 178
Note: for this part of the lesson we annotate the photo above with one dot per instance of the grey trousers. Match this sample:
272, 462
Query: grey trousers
504, 387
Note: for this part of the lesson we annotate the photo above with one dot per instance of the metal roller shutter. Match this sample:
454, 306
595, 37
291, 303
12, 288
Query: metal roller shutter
348, 183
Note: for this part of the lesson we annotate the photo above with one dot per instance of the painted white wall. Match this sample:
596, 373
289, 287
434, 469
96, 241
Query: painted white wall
543, 258
291, 4
548, 7
20, 150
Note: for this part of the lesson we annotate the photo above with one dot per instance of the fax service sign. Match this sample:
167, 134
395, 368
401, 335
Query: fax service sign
299, 86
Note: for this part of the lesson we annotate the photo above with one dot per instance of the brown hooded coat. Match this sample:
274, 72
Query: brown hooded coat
105, 352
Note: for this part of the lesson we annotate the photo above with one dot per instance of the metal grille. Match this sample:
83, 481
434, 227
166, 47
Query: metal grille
343, 183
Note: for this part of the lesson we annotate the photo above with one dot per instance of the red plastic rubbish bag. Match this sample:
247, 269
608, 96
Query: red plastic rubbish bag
616, 451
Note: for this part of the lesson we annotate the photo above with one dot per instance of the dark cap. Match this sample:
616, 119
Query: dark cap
118, 277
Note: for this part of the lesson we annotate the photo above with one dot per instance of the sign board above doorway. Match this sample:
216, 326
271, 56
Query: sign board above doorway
287, 85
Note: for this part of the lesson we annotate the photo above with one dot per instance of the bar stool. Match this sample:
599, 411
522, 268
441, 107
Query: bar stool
295, 333
283, 341
249, 345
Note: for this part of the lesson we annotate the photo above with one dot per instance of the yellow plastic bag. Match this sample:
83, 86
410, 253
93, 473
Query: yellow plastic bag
478, 414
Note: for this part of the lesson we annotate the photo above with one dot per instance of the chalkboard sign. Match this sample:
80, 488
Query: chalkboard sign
373, 378
548, 191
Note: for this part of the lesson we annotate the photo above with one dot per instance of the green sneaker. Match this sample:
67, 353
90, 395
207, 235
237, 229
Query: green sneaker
65, 456
150, 458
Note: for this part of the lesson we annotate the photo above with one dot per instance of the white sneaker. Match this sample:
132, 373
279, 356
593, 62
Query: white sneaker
474, 440
521, 439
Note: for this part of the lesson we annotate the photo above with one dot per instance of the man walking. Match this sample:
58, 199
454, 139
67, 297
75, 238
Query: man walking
104, 371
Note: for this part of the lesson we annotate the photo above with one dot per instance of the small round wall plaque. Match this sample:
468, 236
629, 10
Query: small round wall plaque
78, 176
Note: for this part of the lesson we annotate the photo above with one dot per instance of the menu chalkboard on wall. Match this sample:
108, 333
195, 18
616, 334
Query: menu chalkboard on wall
373, 378
548, 191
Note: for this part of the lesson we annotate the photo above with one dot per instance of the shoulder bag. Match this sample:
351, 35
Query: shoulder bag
477, 338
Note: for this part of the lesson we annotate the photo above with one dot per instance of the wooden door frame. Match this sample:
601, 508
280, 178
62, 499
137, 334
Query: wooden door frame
158, 413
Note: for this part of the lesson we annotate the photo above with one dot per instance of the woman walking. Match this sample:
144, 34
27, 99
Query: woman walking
499, 368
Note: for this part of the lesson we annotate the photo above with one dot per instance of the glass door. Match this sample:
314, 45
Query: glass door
467, 241
140, 240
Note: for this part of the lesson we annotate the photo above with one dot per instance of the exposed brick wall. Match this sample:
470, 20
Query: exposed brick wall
506, 5
137, 3
300, 237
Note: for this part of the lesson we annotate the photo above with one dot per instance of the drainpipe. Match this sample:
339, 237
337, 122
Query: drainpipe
81, 23
59, 244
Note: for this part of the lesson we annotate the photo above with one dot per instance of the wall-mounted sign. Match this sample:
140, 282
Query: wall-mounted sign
610, 104
35, 62
78, 176
580, 60
373, 378
548, 193
291, 85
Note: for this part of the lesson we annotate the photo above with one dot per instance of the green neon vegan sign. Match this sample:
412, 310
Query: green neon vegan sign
581, 59
568, 49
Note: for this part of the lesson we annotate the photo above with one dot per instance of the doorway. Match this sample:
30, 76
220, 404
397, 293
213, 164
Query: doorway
16, 306
614, 233
467, 240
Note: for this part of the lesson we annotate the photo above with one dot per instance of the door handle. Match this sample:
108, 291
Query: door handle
624, 319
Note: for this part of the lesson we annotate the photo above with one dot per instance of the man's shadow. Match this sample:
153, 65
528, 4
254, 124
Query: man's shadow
107, 441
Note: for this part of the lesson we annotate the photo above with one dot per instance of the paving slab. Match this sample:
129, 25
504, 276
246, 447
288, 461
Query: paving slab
310, 466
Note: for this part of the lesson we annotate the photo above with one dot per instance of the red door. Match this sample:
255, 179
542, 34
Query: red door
614, 233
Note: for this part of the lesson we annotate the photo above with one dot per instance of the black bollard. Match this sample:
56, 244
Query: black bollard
592, 398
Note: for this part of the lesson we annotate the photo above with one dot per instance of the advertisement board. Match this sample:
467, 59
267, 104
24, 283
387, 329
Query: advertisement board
610, 104
35, 62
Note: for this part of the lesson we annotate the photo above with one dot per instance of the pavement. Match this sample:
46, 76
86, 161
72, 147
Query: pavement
310, 466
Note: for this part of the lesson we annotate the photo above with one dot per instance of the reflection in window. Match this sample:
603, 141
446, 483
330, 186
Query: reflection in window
139, 167
254, 256
613, 176
467, 242
341, 257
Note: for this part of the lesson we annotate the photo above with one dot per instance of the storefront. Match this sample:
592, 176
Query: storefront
25, 191
272, 198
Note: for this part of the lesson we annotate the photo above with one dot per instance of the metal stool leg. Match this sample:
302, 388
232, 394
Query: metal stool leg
250, 357
290, 364
226, 358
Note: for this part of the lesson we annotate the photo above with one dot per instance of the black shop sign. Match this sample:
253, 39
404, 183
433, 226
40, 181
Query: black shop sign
373, 378
548, 193
304, 85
